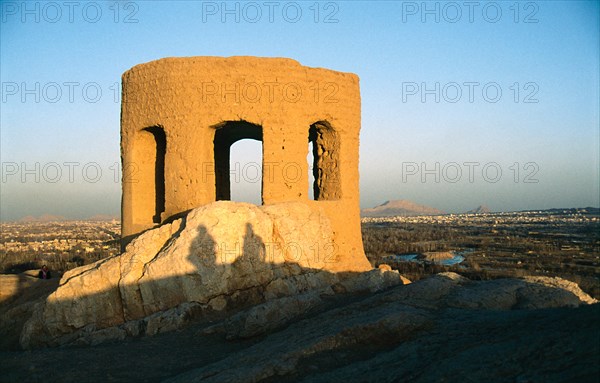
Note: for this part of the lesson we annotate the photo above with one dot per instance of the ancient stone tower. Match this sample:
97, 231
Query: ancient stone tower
180, 117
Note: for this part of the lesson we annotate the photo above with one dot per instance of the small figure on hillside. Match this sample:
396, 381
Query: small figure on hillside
44, 273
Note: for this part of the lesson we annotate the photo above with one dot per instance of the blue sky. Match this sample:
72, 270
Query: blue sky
509, 116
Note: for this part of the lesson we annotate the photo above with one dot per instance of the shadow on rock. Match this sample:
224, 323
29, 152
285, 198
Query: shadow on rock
210, 264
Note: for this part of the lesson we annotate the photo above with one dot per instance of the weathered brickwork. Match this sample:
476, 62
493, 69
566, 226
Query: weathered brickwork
180, 117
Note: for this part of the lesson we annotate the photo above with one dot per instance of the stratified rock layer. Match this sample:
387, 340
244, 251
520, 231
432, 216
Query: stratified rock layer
444, 328
219, 258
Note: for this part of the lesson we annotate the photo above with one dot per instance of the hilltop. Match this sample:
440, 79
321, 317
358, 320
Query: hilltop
400, 207
481, 209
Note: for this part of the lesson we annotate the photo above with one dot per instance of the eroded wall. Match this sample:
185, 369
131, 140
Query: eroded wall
189, 99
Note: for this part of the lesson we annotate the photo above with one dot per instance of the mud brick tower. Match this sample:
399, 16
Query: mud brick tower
180, 117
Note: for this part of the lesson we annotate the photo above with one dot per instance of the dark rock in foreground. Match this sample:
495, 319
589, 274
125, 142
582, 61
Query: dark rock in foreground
444, 328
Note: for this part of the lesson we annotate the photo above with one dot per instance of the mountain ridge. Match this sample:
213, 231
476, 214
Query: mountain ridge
481, 209
400, 207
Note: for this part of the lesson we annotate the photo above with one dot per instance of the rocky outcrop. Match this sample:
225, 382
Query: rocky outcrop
19, 295
435, 256
443, 328
11, 284
218, 259
406, 332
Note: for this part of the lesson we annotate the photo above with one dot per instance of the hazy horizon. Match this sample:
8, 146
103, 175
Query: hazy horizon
491, 104
116, 216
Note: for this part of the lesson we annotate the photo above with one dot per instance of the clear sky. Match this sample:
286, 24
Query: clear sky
463, 103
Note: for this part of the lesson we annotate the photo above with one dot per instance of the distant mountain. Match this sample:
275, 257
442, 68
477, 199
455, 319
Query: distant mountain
481, 209
43, 218
400, 208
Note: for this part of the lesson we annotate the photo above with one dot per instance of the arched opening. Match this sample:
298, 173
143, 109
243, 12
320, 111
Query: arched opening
310, 158
238, 172
325, 146
245, 163
157, 160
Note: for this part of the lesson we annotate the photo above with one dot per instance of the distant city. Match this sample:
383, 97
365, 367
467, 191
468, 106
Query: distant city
554, 242
64, 244
61, 244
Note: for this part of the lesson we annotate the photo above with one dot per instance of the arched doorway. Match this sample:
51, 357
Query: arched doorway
239, 169
157, 150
